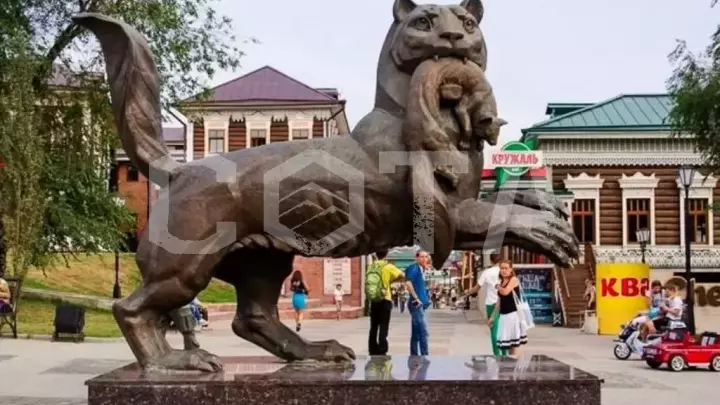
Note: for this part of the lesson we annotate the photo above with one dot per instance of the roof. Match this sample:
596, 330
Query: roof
626, 112
173, 134
269, 84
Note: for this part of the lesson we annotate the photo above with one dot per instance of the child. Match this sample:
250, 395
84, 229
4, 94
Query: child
338, 299
671, 309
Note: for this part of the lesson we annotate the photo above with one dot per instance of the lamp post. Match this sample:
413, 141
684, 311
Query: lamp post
643, 236
117, 292
687, 174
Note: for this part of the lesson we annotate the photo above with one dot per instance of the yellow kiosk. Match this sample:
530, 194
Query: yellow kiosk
620, 294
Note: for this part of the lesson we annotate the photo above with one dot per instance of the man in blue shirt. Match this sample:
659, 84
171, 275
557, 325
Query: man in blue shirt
419, 302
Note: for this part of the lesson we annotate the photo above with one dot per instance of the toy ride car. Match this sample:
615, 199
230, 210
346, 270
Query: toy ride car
680, 350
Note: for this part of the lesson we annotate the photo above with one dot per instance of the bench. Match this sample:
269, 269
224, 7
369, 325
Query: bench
10, 317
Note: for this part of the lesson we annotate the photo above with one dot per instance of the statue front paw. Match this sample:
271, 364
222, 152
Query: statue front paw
545, 233
533, 198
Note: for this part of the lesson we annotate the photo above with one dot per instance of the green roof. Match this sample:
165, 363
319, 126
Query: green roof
626, 112
556, 109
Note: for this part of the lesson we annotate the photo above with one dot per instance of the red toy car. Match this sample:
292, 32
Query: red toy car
679, 350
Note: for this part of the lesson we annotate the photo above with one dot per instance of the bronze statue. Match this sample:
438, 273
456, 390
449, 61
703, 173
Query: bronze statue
259, 258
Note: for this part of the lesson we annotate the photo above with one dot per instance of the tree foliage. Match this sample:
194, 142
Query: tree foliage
695, 91
56, 126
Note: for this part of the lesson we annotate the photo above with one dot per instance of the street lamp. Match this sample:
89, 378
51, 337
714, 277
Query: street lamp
117, 293
643, 236
687, 174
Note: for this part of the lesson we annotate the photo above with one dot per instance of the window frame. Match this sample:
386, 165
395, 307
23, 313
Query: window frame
637, 213
587, 211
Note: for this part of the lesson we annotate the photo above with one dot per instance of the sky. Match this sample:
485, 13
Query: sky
538, 51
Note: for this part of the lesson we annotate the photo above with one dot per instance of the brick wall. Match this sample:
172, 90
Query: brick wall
312, 270
135, 194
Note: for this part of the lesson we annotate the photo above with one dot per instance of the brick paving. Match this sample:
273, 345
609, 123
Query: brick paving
44, 373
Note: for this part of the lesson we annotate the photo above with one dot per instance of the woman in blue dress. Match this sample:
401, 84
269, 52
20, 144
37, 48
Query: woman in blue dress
299, 297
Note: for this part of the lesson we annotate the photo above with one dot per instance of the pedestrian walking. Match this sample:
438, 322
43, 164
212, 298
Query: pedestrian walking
299, 297
338, 299
404, 295
512, 331
488, 280
380, 275
419, 302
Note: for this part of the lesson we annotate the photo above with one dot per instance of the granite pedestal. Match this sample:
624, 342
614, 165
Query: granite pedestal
396, 380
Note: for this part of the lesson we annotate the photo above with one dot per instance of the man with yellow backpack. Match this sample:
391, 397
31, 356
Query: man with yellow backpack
380, 274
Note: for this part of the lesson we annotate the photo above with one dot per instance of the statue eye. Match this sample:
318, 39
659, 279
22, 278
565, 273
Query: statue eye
422, 24
469, 25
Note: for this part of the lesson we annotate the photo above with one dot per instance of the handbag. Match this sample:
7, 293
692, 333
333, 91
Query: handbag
523, 309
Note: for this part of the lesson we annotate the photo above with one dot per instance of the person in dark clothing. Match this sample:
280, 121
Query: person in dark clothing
381, 310
512, 332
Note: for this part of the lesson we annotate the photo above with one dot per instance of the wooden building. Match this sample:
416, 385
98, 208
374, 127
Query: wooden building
615, 163
262, 107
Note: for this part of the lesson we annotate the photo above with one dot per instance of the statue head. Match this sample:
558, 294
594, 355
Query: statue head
425, 31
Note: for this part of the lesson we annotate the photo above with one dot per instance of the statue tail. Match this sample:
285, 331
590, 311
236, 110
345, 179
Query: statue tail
135, 93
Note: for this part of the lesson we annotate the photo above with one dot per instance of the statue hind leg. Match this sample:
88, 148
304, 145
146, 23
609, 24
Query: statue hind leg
170, 281
258, 287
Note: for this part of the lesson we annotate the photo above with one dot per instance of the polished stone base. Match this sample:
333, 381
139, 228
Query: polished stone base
397, 380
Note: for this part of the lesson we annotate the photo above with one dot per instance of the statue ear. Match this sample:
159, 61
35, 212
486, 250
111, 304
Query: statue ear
475, 8
402, 8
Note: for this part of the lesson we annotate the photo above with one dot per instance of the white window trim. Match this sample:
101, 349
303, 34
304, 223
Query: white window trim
265, 123
641, 187
300, 124
585, 187
215, 123
701, 188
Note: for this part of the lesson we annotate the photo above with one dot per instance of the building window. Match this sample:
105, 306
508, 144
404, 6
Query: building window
698, 208
583, 220
638, 216
132, 174
216, 141
258, 137
300, 133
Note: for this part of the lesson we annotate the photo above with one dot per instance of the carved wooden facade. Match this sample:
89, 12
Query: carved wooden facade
616, 165
261, 107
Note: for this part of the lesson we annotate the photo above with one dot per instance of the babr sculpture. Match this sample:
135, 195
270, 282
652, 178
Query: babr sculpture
259, 260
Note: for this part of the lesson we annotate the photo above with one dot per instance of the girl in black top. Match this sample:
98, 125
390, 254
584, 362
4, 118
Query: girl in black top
299, 297
512, 333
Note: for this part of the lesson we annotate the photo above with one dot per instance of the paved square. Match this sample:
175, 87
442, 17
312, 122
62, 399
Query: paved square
87, 366
36, 372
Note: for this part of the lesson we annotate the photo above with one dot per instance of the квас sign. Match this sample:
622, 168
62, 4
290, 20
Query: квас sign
624, 287
516, 159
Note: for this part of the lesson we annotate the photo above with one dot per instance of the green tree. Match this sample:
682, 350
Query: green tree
56, 126
695, 91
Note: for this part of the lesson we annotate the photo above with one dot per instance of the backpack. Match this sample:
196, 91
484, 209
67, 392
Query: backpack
374, 289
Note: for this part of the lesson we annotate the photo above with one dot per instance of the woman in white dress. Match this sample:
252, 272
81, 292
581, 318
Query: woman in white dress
512, 333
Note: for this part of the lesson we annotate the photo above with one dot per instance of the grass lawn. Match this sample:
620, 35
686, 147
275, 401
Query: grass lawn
35, 317
95, 275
